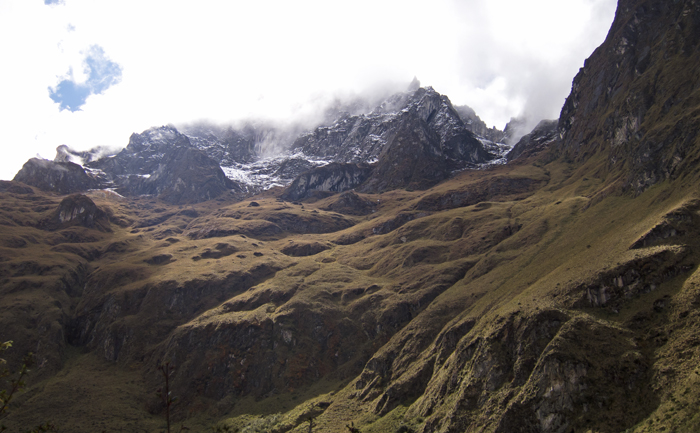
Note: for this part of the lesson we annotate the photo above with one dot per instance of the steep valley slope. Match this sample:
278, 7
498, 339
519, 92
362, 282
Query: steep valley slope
557, 293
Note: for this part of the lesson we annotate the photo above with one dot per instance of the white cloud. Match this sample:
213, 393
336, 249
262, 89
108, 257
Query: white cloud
184, 61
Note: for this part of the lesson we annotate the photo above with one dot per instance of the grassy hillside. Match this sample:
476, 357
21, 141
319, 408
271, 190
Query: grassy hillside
511, 296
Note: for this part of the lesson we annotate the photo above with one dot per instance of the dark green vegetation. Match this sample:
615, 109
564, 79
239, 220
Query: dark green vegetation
557, 293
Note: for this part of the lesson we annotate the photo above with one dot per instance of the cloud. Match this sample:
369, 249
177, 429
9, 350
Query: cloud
180, 62
101, 72
518, 58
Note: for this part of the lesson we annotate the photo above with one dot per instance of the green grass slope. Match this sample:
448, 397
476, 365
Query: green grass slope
534, 303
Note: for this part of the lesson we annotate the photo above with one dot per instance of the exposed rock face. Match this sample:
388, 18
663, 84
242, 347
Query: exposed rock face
525, 370
334, 177
78, 210
679, 223
144, 153
103, 318
184, 175
477, 126
227, 146
417, 140
364, 138
633, 94
418, 156
256, 353
545, 134
262, 154
60, 177
259, 155
245, 143
613, 288
162, 162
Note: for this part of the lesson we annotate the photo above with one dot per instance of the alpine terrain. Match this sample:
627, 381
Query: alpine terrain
399, 267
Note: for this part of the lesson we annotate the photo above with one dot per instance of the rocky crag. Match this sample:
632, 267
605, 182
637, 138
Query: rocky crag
181, 169
558, 292
633, 100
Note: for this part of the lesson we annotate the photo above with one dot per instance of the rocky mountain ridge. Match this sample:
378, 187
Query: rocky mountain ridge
142, 167
637, 112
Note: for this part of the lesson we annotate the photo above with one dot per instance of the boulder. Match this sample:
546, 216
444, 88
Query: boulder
78, 210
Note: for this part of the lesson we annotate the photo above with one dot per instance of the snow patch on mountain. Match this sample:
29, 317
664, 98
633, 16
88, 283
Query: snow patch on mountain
269, 172
499, 150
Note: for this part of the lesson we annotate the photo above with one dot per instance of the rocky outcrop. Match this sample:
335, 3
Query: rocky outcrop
523, 373
366, 138
78, 210
334, 177
545, 135
414, 158
477, 126
675, 225
184, 175
58, 177
612, 289
162, 162
143, 155
253, 352
566, 387
632, 97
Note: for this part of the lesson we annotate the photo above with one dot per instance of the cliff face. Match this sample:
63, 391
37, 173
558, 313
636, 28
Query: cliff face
635, 97
364, 138
413, 140
159, 162
544, 136
334, 177
162, 162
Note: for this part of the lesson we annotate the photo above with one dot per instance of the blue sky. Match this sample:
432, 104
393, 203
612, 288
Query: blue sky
102, 73
87, 73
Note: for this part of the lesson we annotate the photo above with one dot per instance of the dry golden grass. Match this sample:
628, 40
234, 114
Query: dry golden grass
508, 253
